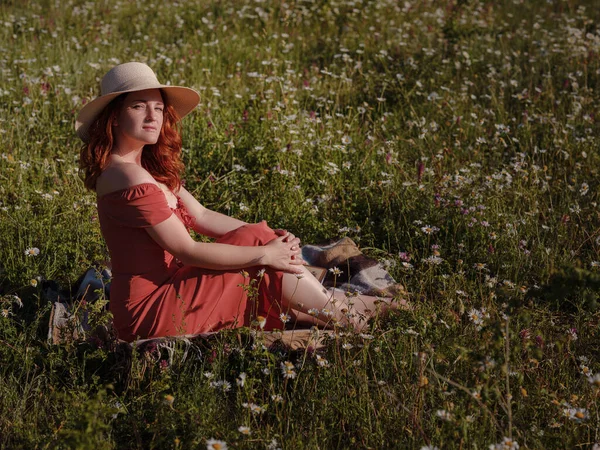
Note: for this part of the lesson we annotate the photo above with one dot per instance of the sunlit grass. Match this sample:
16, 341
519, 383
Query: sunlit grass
456, 143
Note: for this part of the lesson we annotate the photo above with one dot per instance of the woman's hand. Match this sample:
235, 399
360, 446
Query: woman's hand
290, 237
283, 253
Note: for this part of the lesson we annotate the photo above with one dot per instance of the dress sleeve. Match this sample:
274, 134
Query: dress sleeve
140, 206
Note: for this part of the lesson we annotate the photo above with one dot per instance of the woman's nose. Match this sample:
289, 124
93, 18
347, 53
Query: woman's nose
151, 114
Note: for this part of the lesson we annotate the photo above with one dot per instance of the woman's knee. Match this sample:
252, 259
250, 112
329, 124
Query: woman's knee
249, 234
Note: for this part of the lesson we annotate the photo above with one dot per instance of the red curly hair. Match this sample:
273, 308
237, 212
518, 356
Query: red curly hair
162, 160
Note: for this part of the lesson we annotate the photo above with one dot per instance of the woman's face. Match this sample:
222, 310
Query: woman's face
140, 119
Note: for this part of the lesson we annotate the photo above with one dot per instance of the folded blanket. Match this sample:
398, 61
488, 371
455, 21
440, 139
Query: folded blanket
359, 273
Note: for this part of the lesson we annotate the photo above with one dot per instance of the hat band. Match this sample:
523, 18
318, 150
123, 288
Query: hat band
134, 84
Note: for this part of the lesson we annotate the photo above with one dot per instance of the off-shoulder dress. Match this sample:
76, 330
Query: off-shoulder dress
152, 294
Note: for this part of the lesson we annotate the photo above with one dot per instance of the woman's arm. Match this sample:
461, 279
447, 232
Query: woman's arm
278, 254
209, 223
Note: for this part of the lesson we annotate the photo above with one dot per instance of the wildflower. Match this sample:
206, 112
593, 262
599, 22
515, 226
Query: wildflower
508, 284
490, 281
169, 399
331, 168
287, 369
444, 415
244, 430
430, 447
335, 271
594, 380
476, 317
285, 318
595, 264
241, 379
32, 251
5, 312
585, 370
346, 139
584, 188
254, 408
576, 414
404, 256
479, 266
428, 229
322, 362
327, 313
523, 289
225, 386
313, 312
277, 398
572, 334
347, 346
273, 445
555, 424
33, 282
214, 444
524, 392
208, 375
244, 274
434, 260
487, 364
260, 273
539, 341
506, 444
261, 321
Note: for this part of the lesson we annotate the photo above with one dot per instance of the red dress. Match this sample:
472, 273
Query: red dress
153, 294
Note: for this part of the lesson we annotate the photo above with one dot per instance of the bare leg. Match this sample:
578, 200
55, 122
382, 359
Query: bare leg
303, 320
305, 293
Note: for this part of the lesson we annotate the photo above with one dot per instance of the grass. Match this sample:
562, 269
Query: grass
456, 142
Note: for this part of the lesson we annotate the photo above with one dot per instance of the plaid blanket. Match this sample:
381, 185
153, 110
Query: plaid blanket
355, 271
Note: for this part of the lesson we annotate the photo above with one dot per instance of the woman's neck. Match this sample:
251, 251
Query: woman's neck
129, 156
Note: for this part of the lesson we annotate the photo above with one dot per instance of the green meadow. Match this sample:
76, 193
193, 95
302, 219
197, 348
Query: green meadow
457, 142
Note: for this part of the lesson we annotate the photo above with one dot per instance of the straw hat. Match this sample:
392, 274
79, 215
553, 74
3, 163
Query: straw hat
131, 77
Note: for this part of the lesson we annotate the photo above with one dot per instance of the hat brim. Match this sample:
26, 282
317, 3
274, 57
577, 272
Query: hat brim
182, 99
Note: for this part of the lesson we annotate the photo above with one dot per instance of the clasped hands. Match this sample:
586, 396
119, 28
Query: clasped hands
283, 253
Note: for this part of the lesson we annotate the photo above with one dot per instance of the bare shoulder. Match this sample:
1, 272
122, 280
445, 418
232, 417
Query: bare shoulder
122, 175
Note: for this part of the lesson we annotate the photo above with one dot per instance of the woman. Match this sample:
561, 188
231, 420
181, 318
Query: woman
165, 283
